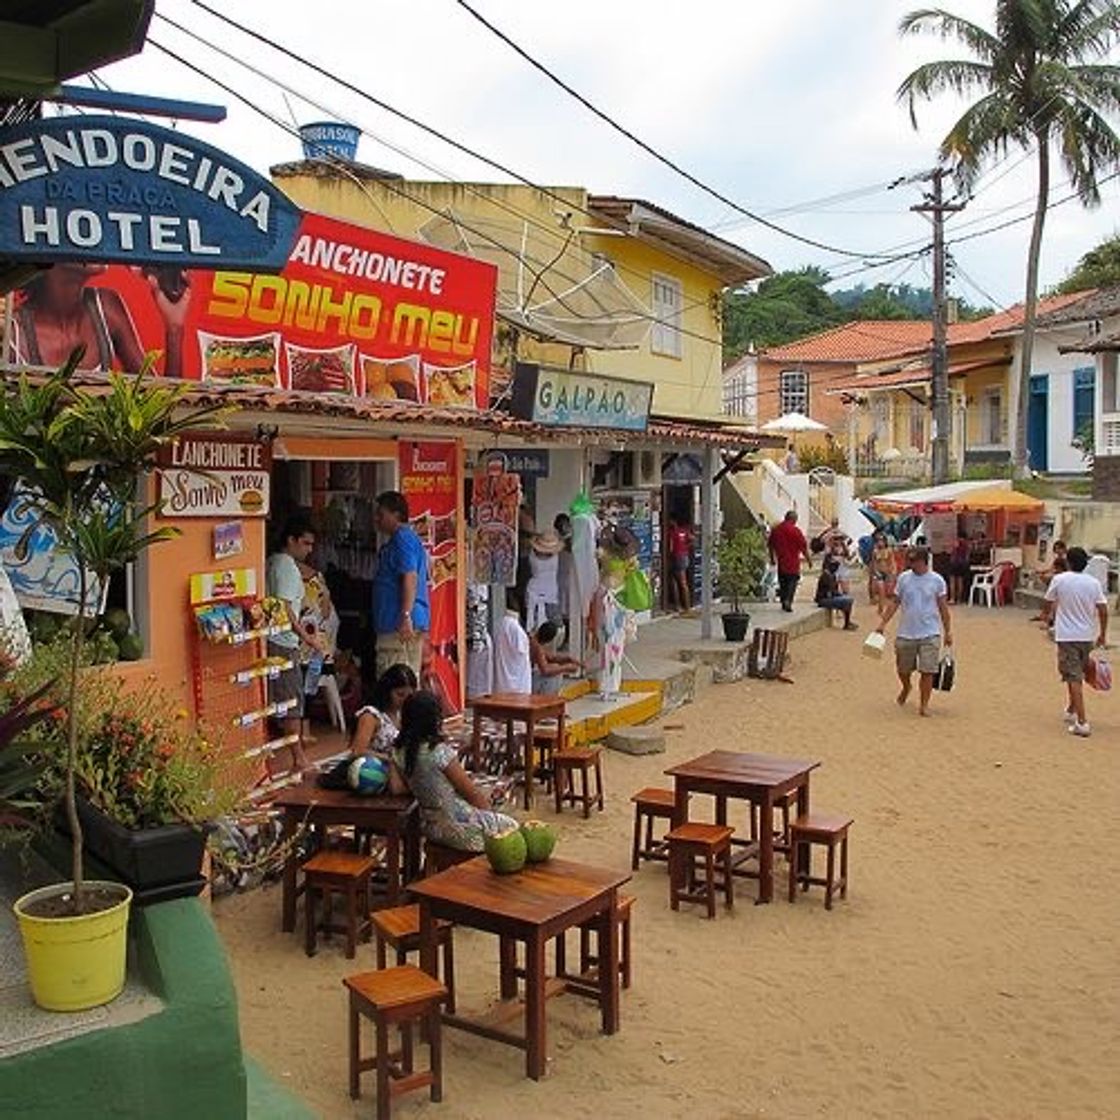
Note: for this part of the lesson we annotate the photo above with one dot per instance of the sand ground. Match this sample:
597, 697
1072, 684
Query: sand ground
972, 972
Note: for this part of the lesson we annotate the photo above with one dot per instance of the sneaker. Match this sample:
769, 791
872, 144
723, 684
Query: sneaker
1081, 730
1070, 717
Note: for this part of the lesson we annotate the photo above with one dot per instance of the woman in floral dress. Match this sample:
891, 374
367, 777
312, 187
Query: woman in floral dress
453, 810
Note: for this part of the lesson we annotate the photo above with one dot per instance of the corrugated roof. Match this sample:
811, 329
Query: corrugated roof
664, 230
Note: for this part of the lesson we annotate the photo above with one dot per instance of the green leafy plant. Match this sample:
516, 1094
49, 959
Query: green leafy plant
81, 454
23, 759
742, 564
830, 455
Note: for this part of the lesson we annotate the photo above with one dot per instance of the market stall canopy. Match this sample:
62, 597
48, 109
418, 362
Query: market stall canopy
989, 500
946, 495
794, 422
547, 284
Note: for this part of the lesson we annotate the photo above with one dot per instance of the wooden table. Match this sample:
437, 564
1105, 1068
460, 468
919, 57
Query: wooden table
533, 906
757, 778
395, 818
510, 708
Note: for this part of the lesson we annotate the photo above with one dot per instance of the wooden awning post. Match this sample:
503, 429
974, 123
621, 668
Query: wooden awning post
707, 540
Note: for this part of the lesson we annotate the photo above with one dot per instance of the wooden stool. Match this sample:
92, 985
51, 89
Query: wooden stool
709, 841
583, 761
588, 959
399, 996
830, 829
346, 873
439, 857
400, 928
650, 804
545, 741
784, 802
767, 656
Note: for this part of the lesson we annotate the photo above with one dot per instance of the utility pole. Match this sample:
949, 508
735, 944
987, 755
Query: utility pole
939, 364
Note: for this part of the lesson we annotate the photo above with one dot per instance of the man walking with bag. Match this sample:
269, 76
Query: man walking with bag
1078, 606
922, 597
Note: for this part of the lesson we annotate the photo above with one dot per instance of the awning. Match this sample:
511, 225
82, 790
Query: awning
978, 496
989, 500
547, 284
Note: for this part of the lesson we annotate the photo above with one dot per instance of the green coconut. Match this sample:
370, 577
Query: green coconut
540, 839
506, 851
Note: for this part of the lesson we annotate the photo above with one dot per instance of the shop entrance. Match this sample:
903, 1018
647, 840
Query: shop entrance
681, 475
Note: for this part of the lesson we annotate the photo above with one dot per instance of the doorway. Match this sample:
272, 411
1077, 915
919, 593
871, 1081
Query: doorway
1038, 422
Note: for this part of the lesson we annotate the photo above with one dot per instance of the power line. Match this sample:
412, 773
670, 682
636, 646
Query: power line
607, 119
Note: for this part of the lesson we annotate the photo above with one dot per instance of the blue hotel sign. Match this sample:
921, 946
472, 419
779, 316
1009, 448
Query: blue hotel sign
117, 190
564, 398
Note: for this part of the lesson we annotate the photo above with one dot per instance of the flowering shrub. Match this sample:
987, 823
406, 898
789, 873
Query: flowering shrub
144, 764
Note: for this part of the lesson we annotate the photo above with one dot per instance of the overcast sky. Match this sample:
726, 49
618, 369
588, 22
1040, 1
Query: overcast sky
776, 105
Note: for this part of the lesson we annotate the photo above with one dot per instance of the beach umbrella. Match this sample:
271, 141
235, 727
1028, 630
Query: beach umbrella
794, 422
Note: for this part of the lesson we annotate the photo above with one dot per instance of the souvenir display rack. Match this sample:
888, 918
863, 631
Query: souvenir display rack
231, 668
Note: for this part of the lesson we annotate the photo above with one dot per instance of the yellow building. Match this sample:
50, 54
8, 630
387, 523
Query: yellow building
615, 286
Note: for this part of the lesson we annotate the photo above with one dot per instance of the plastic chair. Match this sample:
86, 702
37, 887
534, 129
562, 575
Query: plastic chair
984, 583
1005, 583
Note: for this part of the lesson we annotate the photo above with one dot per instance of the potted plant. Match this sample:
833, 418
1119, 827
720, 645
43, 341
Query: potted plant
742, 564
81, 456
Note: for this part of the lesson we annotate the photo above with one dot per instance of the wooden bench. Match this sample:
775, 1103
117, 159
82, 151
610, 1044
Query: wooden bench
650, 804
337, 872
396, 997
709, 843
583, 761
831, 830
399, 928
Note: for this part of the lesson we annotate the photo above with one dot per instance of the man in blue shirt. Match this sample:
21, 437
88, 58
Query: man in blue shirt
401, 612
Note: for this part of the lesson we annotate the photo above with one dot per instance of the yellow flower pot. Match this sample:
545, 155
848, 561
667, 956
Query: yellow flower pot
75, 963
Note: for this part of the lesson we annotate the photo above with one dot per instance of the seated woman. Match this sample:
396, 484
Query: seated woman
828, 594
378, 723
453, 810
548, 665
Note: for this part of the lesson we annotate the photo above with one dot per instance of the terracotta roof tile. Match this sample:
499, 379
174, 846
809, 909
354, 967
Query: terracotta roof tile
863, 341
1003, 322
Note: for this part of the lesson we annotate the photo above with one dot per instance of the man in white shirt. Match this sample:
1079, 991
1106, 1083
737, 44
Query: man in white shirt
1078, 606
922, 597
513, 670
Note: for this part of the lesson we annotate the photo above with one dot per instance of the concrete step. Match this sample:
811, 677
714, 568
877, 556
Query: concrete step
591, 718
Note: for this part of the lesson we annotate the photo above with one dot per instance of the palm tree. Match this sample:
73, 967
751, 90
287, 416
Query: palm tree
1041, 83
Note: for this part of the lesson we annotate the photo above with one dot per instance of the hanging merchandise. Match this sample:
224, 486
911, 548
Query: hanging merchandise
585, 564
636, 593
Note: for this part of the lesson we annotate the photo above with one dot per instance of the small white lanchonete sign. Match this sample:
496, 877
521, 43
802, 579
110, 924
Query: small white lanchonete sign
214, 476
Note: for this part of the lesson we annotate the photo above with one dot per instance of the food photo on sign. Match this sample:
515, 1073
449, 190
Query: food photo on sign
495, 501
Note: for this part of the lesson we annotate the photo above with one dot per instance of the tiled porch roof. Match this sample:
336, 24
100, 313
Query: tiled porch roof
912, 376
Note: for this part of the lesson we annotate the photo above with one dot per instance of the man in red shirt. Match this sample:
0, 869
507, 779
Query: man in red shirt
787, 545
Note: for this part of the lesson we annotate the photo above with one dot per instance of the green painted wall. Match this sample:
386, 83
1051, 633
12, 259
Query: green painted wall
184, 1061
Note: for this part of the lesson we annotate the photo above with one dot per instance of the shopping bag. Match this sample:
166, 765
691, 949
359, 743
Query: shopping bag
874, 644
636, 593
946, 673
1098, 673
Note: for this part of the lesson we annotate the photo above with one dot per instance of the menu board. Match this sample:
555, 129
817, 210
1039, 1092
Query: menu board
495, 500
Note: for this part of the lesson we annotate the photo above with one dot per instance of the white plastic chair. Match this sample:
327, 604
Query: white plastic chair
1098, 568
984, 583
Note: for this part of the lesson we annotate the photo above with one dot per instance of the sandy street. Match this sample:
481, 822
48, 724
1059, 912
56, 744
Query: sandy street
973, 971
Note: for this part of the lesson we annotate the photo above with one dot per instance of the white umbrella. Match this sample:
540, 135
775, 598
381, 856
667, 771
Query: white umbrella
794, 422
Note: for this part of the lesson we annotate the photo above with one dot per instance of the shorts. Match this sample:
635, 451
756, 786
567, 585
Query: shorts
680, 563
393, 650
288, 684
1073, 657
923, 654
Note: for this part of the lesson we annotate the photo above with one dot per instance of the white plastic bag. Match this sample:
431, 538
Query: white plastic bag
874, 645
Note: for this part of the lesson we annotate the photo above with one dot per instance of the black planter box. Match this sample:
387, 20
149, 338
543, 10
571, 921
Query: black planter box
157, 863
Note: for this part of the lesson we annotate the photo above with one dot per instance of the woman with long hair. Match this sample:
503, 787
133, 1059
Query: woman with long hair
882, 572
378, 722
453, 810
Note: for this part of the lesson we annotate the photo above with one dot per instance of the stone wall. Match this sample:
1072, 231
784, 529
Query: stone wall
1106, 478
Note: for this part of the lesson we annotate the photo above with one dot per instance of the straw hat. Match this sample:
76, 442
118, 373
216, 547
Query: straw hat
547, 543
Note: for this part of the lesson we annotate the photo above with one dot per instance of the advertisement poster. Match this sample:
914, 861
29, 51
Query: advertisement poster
354, 311
431, 481
495, 499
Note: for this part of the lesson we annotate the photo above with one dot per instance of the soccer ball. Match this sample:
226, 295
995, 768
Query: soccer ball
368, 775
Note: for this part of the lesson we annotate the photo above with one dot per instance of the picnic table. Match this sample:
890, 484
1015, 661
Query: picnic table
395, 818
758, 778
532, 906
511, 708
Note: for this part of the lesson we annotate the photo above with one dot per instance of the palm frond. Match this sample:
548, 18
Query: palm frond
937, 21
960, 76
1089, 29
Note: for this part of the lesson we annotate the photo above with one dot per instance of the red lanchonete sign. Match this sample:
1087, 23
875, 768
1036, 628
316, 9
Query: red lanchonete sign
354, 311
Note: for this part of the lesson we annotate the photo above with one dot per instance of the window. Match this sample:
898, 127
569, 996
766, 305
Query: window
918, 411
991, 417
794, 392
668, 307
1084, 392
1110, 398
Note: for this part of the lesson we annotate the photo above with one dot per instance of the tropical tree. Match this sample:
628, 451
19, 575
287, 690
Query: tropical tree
1042, 82
1098, 268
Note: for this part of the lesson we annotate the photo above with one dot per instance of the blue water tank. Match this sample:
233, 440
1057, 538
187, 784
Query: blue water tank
329, 138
